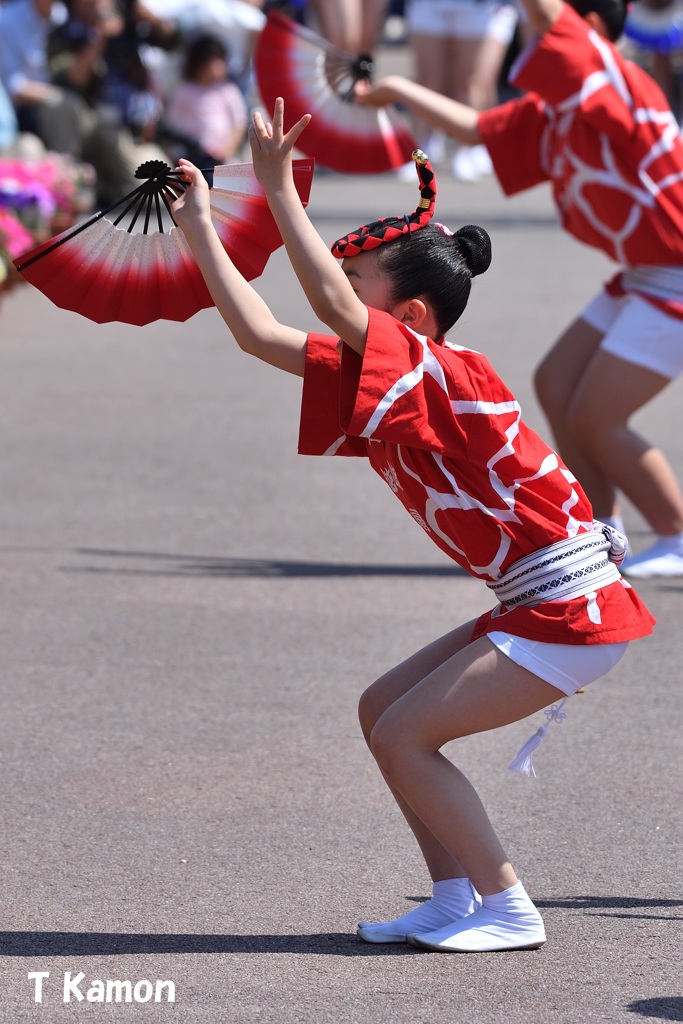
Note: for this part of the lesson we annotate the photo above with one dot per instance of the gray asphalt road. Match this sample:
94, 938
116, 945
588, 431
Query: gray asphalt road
190, 611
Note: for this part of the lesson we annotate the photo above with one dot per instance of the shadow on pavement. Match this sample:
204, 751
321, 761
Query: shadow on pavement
34, 944
16, 943
665, 1007
196, 565
615, 906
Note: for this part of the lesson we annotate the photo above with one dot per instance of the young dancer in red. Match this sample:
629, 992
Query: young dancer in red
600, 130
437, 423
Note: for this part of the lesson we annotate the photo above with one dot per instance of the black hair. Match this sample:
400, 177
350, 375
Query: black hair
200, 50
612, 12
438, 266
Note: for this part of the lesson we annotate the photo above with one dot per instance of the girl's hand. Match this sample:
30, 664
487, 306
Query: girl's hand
377, 94
271, 149
192, 206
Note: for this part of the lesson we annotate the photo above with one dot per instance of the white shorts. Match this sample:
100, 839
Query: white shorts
462, 19
638, 332
566, 666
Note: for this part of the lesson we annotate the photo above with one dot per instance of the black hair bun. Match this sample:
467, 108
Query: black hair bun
475, 246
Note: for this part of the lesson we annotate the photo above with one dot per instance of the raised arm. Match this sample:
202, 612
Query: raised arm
327, 288
542, 13
253, 325
456, 119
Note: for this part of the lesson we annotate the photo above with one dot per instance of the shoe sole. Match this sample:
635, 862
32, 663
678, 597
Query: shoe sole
413, 940
382, 939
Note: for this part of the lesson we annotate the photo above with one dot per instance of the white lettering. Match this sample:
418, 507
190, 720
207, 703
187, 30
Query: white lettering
116, 989
161, 985
111, 990
37, 977
71, 986
419, 520
95, 993
138, 995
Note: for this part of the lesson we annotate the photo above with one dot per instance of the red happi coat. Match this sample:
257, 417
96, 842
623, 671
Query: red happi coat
599, 128
446, 434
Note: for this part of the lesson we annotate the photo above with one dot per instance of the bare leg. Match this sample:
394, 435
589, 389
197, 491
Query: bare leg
610, 392
475, 690
352, 25
473, 79
589, 397
430, 59
339, 23
461, 63
487, 64
430, 63
379, 697
556, 381
374, 14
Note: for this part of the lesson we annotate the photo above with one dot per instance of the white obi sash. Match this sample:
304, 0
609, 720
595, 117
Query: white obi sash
664, 283
567, 569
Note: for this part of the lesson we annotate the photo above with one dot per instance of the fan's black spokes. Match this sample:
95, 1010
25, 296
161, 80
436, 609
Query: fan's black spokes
168, 196
157, 176
343, 71
158, 206
138, 201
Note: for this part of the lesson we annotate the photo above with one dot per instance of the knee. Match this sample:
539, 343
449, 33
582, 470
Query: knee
389, 746
549, 390
589, 424
370, 710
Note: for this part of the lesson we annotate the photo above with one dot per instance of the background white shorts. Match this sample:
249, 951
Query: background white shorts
566, 666
462, 19
638, 332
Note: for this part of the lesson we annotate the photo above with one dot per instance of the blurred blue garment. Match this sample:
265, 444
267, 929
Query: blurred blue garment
8, 120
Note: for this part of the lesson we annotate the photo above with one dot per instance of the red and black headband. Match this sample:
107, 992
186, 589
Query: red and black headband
388, 229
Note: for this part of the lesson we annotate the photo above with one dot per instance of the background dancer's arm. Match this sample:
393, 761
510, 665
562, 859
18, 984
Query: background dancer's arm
457, 119
542, 13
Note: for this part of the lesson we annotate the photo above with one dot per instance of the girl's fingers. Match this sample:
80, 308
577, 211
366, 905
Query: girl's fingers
296, 130
189, 171
259, 125
279, 117
261, 131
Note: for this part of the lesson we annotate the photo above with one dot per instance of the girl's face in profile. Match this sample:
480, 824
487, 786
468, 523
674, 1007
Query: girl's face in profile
371, 285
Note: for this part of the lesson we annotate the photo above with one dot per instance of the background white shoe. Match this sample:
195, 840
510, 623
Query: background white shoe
663, 558
471, 163
465, 165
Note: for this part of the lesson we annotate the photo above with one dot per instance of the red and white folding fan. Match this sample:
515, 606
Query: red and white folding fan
138, 267
314, 77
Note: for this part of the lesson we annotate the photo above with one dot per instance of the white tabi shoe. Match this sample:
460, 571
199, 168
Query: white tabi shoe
453, 900
485, 931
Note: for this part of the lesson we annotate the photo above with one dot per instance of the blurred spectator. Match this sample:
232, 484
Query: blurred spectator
98, 52
13, 143
655, 29
237, 23
459, 47
206, 114
95, 56
9, 127
127, 87
58, 119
